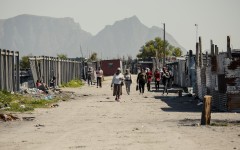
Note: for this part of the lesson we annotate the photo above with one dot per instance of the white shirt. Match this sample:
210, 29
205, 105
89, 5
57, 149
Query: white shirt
100, 73
117, 79
127, 77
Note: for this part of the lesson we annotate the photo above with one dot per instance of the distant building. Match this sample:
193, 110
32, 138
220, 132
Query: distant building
109, 67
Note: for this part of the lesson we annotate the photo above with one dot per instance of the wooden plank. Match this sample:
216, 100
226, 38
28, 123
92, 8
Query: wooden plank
206, 113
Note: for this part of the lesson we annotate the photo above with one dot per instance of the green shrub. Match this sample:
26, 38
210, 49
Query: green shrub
73, 84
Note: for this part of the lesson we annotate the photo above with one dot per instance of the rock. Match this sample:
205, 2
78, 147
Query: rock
39, 125
22, 106
28, 118
134, 129
54, 105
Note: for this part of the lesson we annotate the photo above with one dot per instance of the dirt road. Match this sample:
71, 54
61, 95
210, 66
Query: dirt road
94, 121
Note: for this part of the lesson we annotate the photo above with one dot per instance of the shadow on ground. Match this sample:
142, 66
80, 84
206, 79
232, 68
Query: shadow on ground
180, 104
214, 122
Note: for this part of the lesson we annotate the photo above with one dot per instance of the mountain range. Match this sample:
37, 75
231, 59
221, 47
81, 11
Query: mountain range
38, 35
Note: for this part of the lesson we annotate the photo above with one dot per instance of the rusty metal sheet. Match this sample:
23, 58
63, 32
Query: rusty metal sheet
233, 102
214, 63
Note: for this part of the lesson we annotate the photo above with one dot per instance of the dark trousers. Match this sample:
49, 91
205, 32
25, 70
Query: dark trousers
157, 83
89, 80
99, 81
165, 83
141, 87
149, 85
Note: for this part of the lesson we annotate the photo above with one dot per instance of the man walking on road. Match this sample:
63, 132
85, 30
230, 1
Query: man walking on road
141, 80
165, 79
89, 76
149, 79
99, 77
157, 77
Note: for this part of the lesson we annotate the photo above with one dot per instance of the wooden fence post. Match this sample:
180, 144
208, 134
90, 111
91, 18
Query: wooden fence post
17, 71
1, 71
229, 48
197, 55
206, 112
200, 53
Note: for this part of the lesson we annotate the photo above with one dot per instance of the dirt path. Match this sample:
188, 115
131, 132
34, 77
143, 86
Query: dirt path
139, 122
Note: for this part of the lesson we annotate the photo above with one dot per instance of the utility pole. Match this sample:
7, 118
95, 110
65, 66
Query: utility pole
164, 48
196, 25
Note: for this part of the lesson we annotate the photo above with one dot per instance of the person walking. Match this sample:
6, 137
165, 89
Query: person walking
99, 77
128, 80
89, 76
117, 81
149, 79
157, 77
141, 80
171, 78
165, 79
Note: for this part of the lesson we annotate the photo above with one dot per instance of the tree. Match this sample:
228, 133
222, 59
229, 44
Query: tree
177, 52
93, 57
155, 48
24, 62
62, 56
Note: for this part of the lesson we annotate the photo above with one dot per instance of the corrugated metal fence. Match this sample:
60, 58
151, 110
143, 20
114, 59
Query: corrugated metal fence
218, 74
44, 68
9, 70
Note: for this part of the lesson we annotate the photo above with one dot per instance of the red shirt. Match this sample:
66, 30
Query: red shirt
38, 84
149, 76
157, 76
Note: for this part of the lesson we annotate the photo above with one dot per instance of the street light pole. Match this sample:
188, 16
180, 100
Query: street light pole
196, 25
164, 48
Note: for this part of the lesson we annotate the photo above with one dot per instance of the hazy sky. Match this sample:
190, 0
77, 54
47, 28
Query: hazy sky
215, 18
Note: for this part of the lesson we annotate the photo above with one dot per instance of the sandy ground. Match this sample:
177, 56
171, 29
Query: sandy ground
139, 122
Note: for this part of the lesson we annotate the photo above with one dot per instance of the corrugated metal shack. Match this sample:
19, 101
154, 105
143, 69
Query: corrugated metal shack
179, 70
216, 74
219, 75
109, 67
232, 80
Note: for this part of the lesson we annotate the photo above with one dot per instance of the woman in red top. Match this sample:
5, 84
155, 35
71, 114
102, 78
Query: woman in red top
149, 78
157, 77
38, 83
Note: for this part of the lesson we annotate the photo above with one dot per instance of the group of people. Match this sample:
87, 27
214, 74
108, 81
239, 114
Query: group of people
146, 76
42, 86
90, 77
